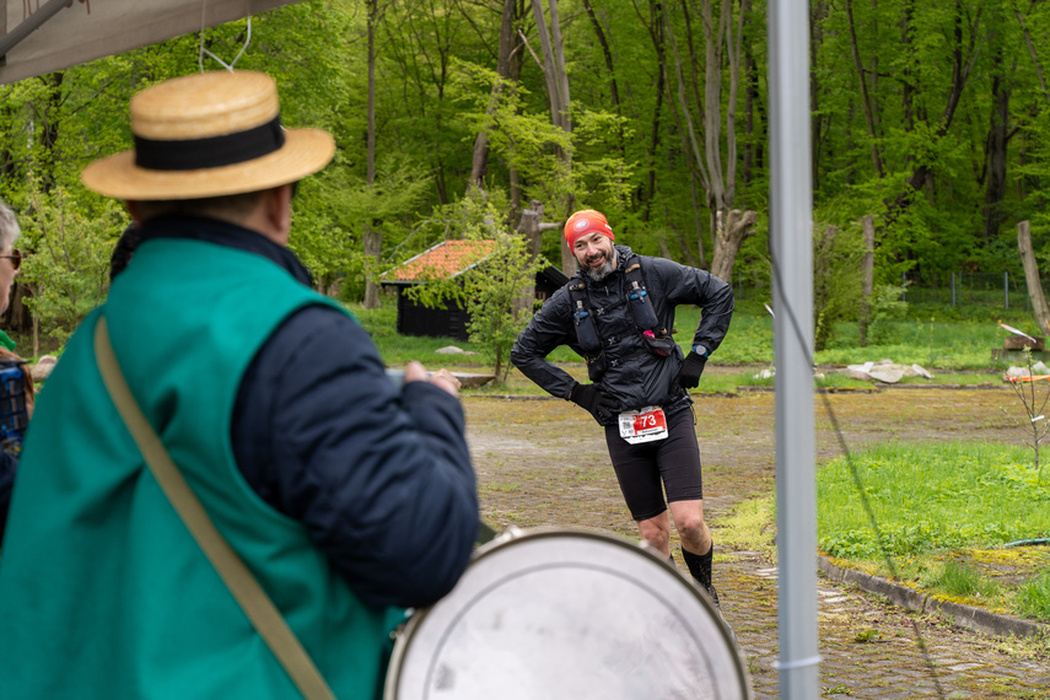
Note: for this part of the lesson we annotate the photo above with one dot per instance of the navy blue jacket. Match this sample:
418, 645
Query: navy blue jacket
380, 477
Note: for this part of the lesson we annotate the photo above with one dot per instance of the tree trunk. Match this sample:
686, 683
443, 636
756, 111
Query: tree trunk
865, 98
558, 93
1031, 275
687, 133
867, 268
531, 227
554, 65
817, 14
732, 232
479, 163
614, 88
1031, 52
753, 160
908, 73
821, 284
697, 164
373, 236
657, 13
998, 136
729, 226
962, 66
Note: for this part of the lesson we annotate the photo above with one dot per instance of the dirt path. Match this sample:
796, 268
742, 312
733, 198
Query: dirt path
534, 454
543, 463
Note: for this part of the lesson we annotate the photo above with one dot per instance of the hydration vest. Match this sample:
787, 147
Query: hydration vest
657, 337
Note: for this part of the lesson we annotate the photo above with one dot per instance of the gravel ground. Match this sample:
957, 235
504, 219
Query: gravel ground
542, 463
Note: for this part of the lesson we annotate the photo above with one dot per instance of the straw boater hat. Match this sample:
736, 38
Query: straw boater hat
208, 135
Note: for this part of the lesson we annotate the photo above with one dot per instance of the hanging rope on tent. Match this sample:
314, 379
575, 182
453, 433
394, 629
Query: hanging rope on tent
796, 328
228, 66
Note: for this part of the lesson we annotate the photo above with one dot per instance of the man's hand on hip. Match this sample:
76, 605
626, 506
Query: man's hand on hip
692, 368
597, 402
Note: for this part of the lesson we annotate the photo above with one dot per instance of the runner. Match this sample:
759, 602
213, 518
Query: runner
618, 313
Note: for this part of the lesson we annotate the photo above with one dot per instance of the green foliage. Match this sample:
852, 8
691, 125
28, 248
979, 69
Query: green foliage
887, 306
1033, 599
433, 66
496, 291
958, 579
929, 497
837, 277
1033, 395
68, 269
334, 208
500, 301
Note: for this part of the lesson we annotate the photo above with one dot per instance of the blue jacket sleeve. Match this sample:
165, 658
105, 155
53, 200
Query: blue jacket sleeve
381, 478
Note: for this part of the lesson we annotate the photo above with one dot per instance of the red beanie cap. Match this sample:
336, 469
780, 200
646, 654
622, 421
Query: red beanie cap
586, 221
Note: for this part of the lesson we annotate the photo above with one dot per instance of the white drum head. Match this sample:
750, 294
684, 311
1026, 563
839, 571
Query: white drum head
559, 614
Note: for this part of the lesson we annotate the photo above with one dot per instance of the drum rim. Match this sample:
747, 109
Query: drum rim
514, 534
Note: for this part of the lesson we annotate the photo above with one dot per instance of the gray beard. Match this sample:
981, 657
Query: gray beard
602, 272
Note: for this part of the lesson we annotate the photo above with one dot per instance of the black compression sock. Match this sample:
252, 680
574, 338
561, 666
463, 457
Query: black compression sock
700, 565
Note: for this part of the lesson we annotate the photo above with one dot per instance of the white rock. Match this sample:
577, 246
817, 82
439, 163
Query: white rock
887, 374
919, 371
453, 350
42, 369
1016, 373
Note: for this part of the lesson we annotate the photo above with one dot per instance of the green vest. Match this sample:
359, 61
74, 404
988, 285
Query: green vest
103, 591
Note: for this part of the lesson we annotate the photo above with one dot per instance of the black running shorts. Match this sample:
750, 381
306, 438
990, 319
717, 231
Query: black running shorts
647, 469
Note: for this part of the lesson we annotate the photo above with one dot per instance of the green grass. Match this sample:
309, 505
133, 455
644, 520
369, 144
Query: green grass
1033, 599
929, 497
935, 506
958, 579
955, 350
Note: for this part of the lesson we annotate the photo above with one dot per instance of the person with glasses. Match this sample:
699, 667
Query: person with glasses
347, 498
16, 385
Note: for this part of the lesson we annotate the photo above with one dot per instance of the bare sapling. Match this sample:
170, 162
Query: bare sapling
1034, 392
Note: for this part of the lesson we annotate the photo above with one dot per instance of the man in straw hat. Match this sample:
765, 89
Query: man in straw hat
618, 313
346, 498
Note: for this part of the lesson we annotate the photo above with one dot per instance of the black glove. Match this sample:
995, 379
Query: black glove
692, 368
597, 402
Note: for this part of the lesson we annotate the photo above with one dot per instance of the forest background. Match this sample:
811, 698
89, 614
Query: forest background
454, 117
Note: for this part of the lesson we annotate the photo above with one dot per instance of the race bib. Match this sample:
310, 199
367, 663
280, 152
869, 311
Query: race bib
644, 425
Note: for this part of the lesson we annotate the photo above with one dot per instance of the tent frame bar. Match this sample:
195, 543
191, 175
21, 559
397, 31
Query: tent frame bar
27, 27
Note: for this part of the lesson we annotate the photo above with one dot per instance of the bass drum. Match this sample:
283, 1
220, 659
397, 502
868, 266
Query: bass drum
553, 614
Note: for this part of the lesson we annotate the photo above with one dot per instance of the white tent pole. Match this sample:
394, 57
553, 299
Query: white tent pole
791, 212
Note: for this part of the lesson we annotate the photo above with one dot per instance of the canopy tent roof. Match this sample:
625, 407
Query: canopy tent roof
38, 36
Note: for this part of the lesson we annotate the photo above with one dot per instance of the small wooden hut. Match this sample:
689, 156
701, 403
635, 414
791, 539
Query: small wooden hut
445, 260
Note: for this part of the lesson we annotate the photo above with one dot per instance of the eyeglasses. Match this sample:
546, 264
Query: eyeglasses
15, 257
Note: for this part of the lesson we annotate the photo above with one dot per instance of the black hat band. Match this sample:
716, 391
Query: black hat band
210, 152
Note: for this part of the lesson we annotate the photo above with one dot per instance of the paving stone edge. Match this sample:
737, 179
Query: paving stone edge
977, 619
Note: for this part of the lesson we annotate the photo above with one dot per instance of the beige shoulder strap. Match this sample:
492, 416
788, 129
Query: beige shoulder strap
267, 620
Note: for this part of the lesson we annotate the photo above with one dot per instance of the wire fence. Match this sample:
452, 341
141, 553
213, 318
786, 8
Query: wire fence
1004, 290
